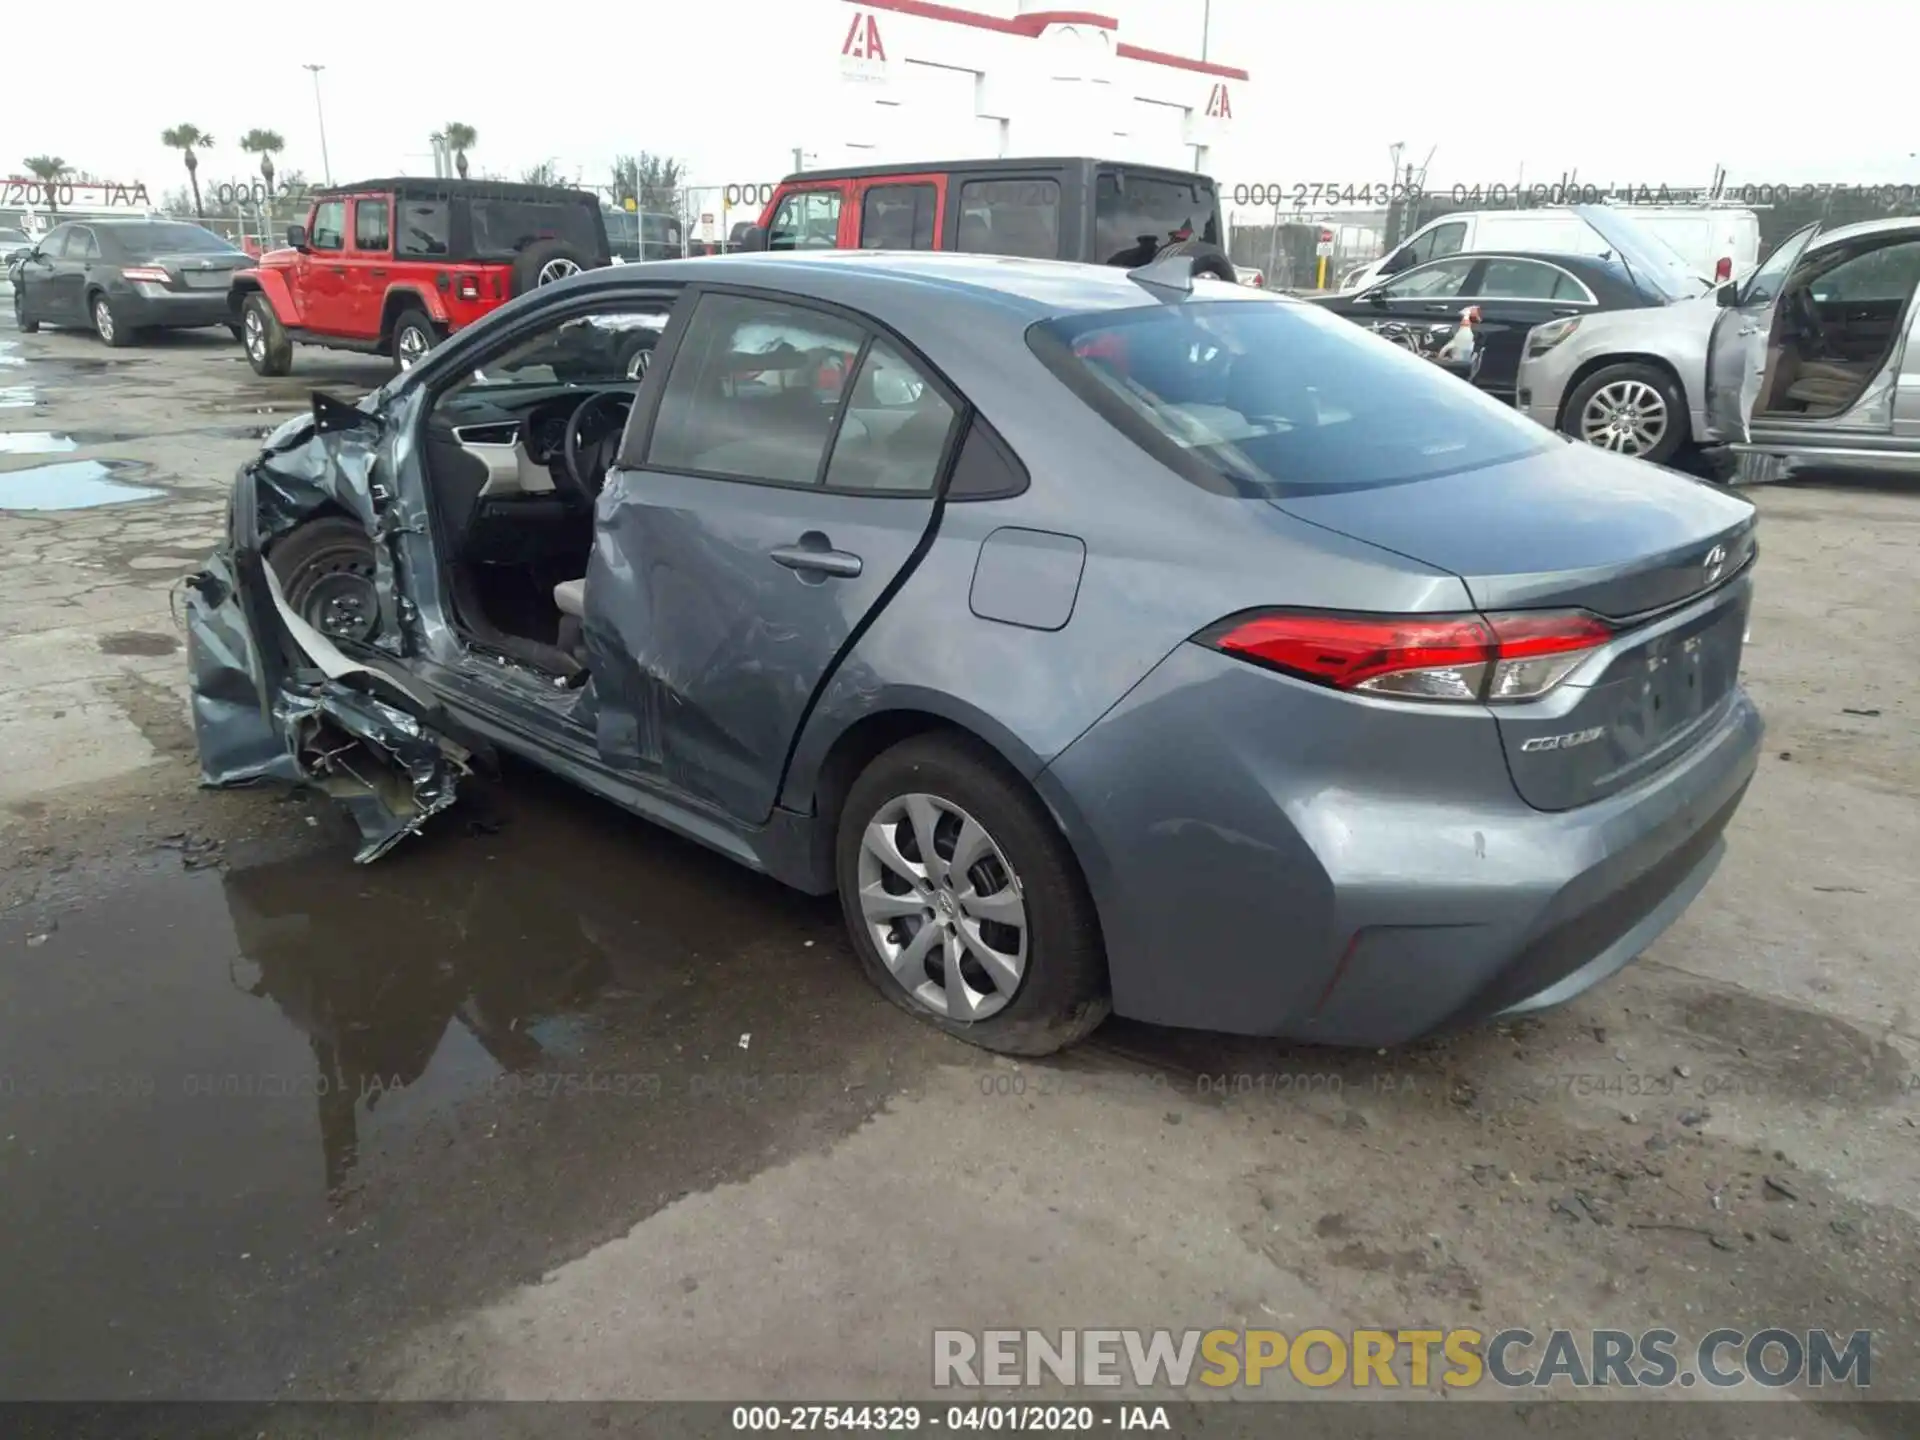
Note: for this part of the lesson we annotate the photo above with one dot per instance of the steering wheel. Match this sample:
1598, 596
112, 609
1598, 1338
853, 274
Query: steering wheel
1808, 330
593, 439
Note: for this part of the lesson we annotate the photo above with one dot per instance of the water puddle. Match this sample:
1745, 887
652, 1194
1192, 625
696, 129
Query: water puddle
72, 485
36, 442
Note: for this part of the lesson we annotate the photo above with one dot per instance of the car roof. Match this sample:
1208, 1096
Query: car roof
452, 187
1863, 229
1014, 165
924, 281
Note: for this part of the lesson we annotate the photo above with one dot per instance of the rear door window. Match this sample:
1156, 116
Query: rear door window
370, 225
1136, 216
754, 392
895, 430
424, 231
1525, 280
898, 217
1010, 217
84, 245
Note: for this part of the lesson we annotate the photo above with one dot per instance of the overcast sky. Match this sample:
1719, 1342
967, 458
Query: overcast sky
1629, 91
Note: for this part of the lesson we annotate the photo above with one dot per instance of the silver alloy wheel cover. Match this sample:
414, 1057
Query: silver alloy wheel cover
558, 268
939, 908
1628, 416
410, 346
103, 318
255, 333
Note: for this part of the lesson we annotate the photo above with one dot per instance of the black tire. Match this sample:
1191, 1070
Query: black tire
1062, 995
411, 327
325, 561
1678, 428
20, 321
238, 333
1208, 259
273, 354
534, 260
108, 322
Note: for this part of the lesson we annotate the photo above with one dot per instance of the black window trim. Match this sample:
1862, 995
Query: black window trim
639, 437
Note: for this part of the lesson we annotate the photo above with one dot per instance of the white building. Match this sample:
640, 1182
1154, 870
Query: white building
924, 81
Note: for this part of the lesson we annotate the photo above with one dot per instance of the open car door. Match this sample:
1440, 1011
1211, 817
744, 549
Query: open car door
1738, 353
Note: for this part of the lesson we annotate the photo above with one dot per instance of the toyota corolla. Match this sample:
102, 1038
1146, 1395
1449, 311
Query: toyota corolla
1106, 641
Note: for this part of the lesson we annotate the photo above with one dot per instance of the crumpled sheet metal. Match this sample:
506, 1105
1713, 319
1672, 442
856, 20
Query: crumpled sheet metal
262, 711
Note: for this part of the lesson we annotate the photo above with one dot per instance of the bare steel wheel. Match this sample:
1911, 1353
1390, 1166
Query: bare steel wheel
943, 907
964, 901
326, 571
1631, 409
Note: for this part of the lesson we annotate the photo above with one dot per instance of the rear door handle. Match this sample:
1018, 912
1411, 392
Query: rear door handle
817, 559
381, 274
338, 269
1566, 309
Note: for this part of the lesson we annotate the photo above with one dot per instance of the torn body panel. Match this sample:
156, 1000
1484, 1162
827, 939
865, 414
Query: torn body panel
276, 701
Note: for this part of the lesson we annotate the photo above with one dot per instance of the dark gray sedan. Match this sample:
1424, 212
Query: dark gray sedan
120, 277
1106, 640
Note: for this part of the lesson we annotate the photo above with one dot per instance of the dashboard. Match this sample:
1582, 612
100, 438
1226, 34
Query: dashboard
520, 438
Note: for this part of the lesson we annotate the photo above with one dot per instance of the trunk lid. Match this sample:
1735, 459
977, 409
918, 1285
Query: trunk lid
1660, 555
201, 271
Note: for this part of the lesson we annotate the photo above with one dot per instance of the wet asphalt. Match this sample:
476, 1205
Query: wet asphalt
261, 1108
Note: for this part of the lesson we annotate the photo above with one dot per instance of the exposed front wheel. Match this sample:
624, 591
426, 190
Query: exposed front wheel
262, 336
1630, 409
964, 903
326, 571
20, 321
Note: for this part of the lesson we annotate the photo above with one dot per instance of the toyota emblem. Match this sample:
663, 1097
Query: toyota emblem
1715, 562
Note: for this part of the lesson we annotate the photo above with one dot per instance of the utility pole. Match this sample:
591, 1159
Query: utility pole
326, 165
1206, 26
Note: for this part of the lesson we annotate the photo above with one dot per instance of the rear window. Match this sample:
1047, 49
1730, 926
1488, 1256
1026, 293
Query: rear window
1272, 399
1136, 216
503, 228
423, 230
160, 238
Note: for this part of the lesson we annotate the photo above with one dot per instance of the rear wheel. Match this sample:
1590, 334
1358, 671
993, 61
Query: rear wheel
20, 321
1631, 409
108, 323
269, 351
413, 337
326, 571
964, 903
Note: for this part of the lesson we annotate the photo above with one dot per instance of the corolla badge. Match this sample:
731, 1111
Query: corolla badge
1562, 742
1715, 562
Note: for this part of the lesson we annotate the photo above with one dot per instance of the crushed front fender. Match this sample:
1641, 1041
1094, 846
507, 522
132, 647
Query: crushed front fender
274, 700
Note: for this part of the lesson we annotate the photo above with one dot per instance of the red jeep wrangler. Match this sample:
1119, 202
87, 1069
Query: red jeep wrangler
391, 267
1099, 211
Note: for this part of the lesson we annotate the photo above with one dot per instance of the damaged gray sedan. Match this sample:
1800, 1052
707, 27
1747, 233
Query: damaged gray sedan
1105, 641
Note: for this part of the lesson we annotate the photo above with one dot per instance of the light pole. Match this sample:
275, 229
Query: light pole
1206, 26
326, 165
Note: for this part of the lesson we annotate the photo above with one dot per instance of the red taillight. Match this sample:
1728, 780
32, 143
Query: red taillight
1417, 657
1723, 269
467, 287
151, 274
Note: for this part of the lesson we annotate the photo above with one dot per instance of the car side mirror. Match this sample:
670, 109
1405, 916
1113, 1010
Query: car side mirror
1727, 296
1376, 296
297, 237
755, 238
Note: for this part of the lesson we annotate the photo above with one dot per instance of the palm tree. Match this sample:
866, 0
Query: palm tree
459, 139
49, 170
266, 144
184, 138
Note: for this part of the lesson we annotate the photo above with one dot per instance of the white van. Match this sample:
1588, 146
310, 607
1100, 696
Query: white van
1703, 236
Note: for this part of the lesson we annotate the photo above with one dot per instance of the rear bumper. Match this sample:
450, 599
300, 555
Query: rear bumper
150, 307
1357, 872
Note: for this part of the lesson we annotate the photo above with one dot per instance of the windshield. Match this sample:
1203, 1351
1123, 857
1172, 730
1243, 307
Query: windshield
502, 228
160, 238
1652, 260
1271, 399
